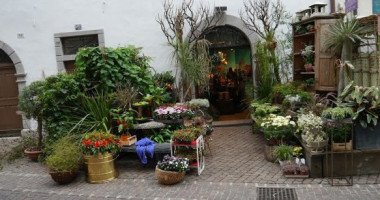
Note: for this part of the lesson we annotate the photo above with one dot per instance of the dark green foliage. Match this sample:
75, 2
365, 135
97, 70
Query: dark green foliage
103, 68
161, 136
265, 77
59, 97
341, 132
29, 102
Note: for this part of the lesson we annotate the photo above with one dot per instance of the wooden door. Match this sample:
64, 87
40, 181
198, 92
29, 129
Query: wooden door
326, 78
9, 120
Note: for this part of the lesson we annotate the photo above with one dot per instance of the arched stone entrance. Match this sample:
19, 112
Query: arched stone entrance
234, 45
12, 81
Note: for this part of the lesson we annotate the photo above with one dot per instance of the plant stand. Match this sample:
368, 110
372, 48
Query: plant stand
198, 147
348, 160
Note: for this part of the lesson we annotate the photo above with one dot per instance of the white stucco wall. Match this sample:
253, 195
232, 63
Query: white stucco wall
364, 7
124, 22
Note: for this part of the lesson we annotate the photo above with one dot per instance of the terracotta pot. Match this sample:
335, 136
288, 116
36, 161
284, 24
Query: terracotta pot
63, 177
33, 153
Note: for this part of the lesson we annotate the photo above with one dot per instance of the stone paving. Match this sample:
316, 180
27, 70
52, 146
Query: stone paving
234, 171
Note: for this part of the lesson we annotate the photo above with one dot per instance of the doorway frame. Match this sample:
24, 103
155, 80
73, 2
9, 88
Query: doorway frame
20, 75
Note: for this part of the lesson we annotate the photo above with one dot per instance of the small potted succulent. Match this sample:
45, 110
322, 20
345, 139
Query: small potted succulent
65, 160
171, 170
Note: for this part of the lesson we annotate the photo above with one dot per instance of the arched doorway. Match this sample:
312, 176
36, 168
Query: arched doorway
10, 122
232, 74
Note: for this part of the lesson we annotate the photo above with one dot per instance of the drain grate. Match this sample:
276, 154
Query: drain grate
264, 193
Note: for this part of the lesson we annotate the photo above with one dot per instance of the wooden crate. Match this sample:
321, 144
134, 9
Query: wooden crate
131, 140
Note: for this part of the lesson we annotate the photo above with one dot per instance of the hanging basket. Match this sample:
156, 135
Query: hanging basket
169, 177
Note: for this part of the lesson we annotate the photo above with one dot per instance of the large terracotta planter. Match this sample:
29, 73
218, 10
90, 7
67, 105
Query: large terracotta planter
101, 168
169, 177
33, 153
63, 177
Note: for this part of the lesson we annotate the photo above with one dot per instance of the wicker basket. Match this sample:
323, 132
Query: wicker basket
63, 177
169, 177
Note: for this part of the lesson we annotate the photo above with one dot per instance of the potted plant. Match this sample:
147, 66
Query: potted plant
365, 103
310, 28
303, 170
341, 135
100, 150
283, 153
308, 57
337, 114
276, 128
187, 135
171, 170
312, 132
171, 114
31, 107
289, 168
65, 159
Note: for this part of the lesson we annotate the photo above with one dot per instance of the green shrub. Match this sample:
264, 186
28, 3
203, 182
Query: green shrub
187, 134
104, 68
66, 154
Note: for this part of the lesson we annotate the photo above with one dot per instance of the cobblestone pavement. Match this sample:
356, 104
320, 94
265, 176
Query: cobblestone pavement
234, 171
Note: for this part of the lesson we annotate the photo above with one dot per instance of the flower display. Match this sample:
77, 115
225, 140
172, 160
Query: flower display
199, 103
99, 142
175, 164
311, 127
297, 151
277, 128
172, 112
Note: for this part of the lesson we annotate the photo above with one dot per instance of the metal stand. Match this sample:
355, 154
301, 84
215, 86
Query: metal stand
346, 151
199, 148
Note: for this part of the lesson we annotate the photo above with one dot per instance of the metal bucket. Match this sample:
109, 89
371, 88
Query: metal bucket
100, 169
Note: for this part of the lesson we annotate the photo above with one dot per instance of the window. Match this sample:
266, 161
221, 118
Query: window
67, 45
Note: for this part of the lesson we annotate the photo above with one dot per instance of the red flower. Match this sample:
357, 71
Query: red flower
97, 144
86, 142
118, 121
105, 143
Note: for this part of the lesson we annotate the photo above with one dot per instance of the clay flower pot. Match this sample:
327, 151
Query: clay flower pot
33, 153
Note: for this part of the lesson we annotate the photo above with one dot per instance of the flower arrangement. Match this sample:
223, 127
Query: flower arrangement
311, 127
187, 134
173, 164
277, 127
99, 143
199, 103
172, 112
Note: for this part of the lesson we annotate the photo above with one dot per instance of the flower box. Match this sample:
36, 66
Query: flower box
130, 140
342, 146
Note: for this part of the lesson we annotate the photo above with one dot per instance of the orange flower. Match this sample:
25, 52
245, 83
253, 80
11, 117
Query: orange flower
105, 143
97, 144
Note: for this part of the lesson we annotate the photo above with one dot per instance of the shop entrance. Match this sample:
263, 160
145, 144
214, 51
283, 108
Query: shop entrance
231, 74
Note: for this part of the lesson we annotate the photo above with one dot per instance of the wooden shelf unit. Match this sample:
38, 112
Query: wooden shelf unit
325, 73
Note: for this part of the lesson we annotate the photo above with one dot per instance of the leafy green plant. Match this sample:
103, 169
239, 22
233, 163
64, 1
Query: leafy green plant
265, 78
94, 113
124, 118
66, 154
365, 102
161, 136
309, 82
337, 113
104, 68
262, 110
31, 106
283, 152
59, 99
341, 132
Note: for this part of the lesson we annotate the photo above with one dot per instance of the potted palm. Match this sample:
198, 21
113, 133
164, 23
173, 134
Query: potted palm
31, 107
171, 170
100, 151
65, 160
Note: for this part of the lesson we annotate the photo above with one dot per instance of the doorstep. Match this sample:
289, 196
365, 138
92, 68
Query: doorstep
240, 122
